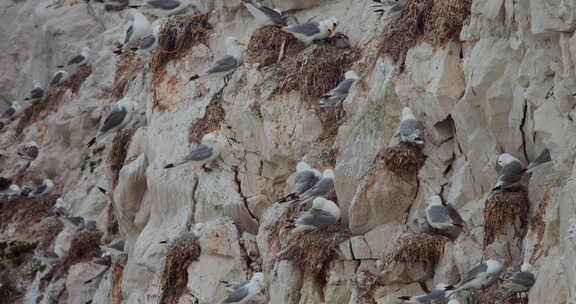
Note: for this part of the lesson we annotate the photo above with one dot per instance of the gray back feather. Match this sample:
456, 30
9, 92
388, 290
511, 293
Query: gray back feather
474, 272
304, 181
322, 187
129, 33
344, 86
114, 119
511, 173
37, 93
438, 214
201, 152
57, 78
225, 64
76, 60
147, 42
307, 29
317, 218
238, 294
164, 4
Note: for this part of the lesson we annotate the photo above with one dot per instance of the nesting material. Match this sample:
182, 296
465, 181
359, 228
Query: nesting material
126, 68
118, 153
115, 294
9, 294
175, 275
269, 45
48, 232
437, 22
78, 77
213, 118
38, 110
403, 159
25, 211
309, 250
504, 211
538, 226
315, 71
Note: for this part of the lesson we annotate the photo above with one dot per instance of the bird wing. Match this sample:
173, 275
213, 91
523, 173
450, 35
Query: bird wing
307, 29
544, 157
304, 181
40, 189
164, 4
31, 151
511, 173
474, 272
238, 295
57, 78
201, 152
523, 278
317, 218
438, 214
37, 93
129, 33
119, 245
76, 60
275, 16
9, 112
147, 42
114, 119
224, 64
409, 127
343, 87
322, 187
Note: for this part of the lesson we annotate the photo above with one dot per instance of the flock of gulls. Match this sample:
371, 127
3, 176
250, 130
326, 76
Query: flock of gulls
309, 185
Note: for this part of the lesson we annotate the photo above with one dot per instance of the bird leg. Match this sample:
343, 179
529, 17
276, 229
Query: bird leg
206, 169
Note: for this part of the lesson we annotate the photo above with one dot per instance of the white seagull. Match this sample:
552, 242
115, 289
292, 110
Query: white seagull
438, 216
224, 66
204, 153
12, 111
513, 169
335, 97
410, 130
29, 151
148, 43
479, 277
59, 77
10, 192
324, 185
311, 31
437, 294
246, 290
324, 213
306, 178
516, 282
37, 91
118, 117
79, 59
137, 30
44, 188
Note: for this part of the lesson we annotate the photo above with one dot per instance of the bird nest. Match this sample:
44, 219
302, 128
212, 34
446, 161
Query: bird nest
315, 71
117, 270
38, 109
126, 67
118, 153
25, 211
212, 120
403, 159
175, 275
48, 232
505, 210
269, 45
78, 77
177, 36
309, 250
538, 226
434, 21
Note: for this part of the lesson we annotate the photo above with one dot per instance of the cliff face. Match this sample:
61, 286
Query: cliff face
506, 84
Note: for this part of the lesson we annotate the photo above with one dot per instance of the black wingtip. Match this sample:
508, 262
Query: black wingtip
102, 190
88, 282
193, 78
449, 287
60, 66
168, 166
404, 298
459, 225
92, 142
134, 6
163, 242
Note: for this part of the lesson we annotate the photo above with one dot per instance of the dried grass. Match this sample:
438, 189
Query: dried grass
175, 275
212, 121
418, 248
503, 210
115, 294
434, 21
78, 77
119, 151
402, 160
126, 67
48, 232
9, 294
40, 109
269, 43
538, 226
24, 212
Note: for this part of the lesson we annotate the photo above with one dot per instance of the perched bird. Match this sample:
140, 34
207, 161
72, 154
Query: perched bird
148, 43
479, 277
181, 237
104, 260
58, 209
438, 216
335, 97
311, 31
339, 40
98, 276
115, 248
410, 130
29, 151
389, 7
323, 214
517, 282
246, 290
47, 257
306, 178
163, 8
203, 153
10, 192
437, 294
37, 92
513, 169
268, 16
118, 117
12, 111
224, 66
324, 186
136, 31
59, 77
453, 301
78, 223
80, 59
44, 188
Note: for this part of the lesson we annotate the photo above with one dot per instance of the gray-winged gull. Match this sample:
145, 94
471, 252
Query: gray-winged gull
438, 216
181, 237
149, 43
118, 117
246, 290
308, 32
306, 178
335, 97
58, 209
12, 111
226, 65
59, 77
29, 151
410, 129
115, 248
11, 192
437, 294
268, 16
139, 29
44, 188
513, 169
324, 186
80, 59
163, 8
104, 260
203, 153
323, 214
389, 7
47, 257
37, 91
479, 277
517, 282
78, 223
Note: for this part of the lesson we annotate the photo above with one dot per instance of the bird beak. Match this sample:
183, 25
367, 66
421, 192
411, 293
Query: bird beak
242, 43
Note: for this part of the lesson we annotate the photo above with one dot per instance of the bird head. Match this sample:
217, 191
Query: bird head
328, 173
351, 75
526, 267
234, 42
259, 279
506, 158
493, 266
435, 200
407, 113
36, 83
303, 166
85, 50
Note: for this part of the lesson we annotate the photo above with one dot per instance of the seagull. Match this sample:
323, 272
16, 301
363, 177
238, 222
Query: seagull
118, 117
9, 193
308, 32
78, 223
149, 43
104, 260
335, 97
58, 209
202, 154
12, 111
324, 213
59, 77
79, 59
29, 151
438, 293
136, 31
513, 169
116, 248
224, 66
246, 290
516, 282
438, 216
390, 7
479, 277
324, 186
410, 130
306, 178
266, 15
37, 91
163, 8
181, 237
47, 257
44, 188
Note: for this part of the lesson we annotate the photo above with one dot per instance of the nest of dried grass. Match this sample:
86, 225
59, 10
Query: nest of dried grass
435, 21
175, 275
126, 67
213, 118
78, 77
177, 36
25, 211
492, 295
115, 294
538, 226
503, 210
269, 45
9, 294
38, 110
119, 151
418, 248
48, 232
402, 160
315, 71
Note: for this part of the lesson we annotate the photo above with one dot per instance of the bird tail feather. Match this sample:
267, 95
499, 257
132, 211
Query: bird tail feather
92, 142
289, 197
